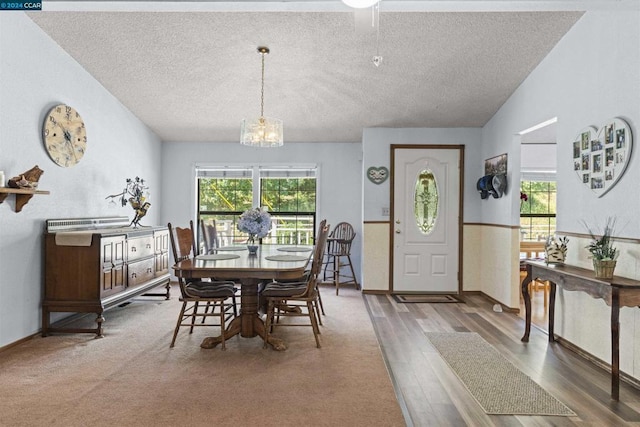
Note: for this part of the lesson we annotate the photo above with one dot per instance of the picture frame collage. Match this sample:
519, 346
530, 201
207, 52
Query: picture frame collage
600, 156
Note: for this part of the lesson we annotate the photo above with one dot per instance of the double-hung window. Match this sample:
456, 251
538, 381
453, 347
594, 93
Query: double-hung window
287, 193
538, 211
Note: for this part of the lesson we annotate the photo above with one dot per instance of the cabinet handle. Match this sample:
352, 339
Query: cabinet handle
134, 275
133, 249
149, 270
148, 246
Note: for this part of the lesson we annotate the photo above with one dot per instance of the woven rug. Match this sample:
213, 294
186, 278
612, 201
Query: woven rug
495, 383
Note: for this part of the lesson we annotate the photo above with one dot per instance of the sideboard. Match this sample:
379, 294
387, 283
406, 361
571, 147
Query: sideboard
92, 264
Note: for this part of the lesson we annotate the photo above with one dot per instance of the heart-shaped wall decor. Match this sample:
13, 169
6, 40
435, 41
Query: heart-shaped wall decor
601, 156
377, 175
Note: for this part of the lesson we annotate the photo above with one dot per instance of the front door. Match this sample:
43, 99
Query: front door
426, 219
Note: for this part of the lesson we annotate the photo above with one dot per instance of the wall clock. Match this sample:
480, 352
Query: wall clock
64, 135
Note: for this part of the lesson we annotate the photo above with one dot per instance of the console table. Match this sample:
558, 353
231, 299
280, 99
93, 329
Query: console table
616, 293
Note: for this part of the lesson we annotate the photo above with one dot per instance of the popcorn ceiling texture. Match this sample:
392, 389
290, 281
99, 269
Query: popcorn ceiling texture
193, 76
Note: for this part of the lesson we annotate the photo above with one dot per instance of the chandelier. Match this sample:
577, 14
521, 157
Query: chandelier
262, 131
359, 4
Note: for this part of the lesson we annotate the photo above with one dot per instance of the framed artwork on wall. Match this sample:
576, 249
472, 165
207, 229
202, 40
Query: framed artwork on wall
496, 165
600, 156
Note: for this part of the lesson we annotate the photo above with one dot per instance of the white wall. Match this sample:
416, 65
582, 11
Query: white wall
36, 74
339, 177
588, 78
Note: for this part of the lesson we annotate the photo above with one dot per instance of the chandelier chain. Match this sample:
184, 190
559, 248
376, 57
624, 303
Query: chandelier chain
262, 89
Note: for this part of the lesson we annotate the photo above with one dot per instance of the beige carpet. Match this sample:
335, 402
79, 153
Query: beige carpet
497, 385
132, 377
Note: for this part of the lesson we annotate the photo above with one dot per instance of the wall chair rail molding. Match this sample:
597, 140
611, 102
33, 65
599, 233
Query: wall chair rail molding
601, 156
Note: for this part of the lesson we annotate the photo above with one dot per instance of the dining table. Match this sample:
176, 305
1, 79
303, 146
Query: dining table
271, 262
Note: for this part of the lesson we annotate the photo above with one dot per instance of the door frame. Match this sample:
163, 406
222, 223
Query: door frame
393, 148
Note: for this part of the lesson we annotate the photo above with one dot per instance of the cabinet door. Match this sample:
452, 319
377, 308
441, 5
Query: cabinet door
113, 266
161, 252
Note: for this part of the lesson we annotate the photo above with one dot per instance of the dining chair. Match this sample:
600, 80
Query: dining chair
201, 299
339, 256
297, 299
209, 236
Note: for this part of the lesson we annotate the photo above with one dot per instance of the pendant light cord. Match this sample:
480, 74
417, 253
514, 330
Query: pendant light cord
262, 89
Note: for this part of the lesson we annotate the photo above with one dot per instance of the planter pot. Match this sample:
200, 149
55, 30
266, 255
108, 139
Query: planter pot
604, 269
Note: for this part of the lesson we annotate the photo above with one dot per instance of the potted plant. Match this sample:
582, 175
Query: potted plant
555, 249
603, 253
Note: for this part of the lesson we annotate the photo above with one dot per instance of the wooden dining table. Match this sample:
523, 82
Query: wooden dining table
272, 262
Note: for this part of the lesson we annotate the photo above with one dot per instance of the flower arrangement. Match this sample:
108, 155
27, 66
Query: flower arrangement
601, 248
523, 198
255, 222
555, 250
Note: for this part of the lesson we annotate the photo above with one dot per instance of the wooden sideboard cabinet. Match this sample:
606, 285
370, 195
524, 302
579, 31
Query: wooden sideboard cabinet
91, 270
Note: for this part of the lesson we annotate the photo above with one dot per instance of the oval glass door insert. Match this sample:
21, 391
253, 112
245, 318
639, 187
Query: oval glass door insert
425, 203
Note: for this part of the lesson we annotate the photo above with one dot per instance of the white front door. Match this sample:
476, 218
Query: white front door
426, 219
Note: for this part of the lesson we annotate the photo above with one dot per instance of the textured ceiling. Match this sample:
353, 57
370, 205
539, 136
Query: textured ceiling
193, 76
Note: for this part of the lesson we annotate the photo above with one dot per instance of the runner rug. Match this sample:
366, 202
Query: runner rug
495, 383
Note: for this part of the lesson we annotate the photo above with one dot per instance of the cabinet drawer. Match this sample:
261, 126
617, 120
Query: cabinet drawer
140, 272
139, 247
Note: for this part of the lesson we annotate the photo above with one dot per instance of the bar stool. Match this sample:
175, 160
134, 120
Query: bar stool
338, 256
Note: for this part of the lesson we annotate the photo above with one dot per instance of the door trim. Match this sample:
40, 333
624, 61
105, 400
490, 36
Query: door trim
393, 148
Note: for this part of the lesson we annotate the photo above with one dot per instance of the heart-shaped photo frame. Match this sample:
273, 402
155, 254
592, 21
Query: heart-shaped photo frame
378, 174
601, 156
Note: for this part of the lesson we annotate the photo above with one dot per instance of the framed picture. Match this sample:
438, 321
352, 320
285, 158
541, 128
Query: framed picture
496, 165
600, 156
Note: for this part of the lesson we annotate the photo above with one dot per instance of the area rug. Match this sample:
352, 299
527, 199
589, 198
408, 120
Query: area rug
409, 298
495, 383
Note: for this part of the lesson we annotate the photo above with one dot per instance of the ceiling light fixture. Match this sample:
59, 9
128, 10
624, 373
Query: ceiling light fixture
263, 131
360, 4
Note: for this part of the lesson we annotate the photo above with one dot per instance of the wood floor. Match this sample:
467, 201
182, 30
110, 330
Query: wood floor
431, 395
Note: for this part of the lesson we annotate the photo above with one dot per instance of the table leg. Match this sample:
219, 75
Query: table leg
527, 304
615, 345
552, 310
248, 324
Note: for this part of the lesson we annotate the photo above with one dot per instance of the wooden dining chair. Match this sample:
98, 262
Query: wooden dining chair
339, 256
201, 299
296, 299
209, 236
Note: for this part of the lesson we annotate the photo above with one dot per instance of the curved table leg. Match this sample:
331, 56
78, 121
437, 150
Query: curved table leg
527, 304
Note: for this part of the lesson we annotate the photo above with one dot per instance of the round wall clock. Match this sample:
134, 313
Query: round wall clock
64, 135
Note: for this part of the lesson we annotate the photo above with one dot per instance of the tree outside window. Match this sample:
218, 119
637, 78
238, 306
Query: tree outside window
538, 211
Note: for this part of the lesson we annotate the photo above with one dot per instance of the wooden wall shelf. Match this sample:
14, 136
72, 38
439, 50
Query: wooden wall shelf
22, 195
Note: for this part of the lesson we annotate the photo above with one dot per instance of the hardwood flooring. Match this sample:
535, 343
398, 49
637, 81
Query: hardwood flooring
431, 395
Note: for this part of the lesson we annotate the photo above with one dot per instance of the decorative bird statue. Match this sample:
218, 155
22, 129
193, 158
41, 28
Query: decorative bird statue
141, 211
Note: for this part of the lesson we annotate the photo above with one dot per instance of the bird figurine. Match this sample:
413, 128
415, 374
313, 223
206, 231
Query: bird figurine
141, 211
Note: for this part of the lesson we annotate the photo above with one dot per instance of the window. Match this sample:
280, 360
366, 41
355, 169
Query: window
538, 212
288, 193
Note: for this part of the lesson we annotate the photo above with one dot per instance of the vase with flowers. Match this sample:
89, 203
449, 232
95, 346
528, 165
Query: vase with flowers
257, 224
603, 252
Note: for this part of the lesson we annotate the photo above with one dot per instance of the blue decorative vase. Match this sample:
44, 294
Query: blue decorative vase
253, 249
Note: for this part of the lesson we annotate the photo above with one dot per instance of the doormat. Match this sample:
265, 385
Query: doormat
409, 298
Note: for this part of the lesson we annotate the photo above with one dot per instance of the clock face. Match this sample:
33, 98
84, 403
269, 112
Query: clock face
64, 135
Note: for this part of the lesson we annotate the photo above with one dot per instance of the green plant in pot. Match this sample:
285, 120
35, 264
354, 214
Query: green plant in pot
603, 252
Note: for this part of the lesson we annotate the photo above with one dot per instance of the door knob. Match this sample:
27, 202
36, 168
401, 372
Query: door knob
397, 231
397, 221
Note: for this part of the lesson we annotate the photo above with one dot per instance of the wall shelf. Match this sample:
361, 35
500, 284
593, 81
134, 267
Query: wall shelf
23, 195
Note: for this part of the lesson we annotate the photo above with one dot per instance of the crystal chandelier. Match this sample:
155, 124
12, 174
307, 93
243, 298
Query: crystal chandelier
263, 131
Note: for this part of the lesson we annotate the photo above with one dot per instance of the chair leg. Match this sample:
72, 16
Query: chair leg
353, 273
223, 314
336, 272
194, 314
320, 301
268, 321
314, 323
175, 331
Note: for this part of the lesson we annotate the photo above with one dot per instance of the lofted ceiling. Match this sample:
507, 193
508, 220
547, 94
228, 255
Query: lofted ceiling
194, 74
